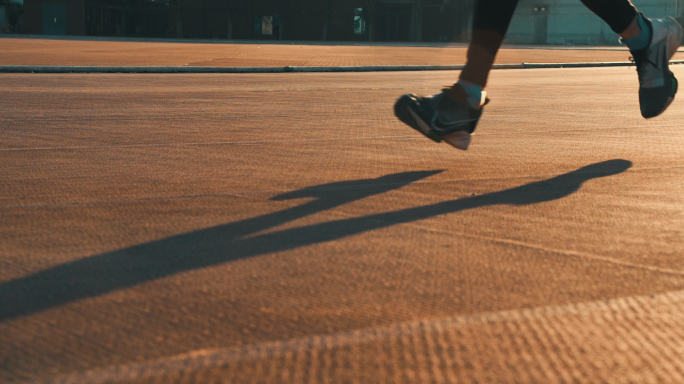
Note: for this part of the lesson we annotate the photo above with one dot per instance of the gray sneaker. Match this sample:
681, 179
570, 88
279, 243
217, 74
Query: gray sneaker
439, 117
657, 84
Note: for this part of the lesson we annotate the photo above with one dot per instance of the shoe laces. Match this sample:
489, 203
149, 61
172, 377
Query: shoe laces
641, 60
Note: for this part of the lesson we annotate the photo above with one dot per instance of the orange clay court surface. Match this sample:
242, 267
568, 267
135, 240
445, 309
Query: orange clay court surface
23, 51
286, 228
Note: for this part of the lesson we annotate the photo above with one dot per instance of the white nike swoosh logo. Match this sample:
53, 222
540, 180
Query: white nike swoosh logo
425, 128
421, 124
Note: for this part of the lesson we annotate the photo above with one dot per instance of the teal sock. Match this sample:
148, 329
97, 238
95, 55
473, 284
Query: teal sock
639, 42
475, 95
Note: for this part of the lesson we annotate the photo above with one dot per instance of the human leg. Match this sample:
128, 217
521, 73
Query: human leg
618, 14
490, 23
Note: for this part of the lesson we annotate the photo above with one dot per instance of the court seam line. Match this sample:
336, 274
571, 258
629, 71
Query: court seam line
519, 243
206, 358
248, 194
579, 254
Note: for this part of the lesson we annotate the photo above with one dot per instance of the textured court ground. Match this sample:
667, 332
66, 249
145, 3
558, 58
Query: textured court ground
285, 228
25, 51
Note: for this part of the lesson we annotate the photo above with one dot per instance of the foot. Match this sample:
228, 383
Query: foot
440, 117
657, 84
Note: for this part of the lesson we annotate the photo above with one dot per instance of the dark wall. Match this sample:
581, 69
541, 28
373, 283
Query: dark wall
342, 20
300, 19
102, 17
209, 19
304, 20
441, 24
133, 18
75, 16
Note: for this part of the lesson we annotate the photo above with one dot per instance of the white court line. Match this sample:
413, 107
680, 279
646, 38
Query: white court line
203, 359
524, 244
579, 254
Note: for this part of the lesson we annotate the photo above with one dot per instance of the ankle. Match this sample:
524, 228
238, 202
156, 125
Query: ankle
638, 35
467, 93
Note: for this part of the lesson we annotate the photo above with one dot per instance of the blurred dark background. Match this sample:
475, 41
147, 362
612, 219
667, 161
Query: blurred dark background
321, 20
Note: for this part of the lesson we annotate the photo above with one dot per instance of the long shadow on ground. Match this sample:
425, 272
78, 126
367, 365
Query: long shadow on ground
101, 274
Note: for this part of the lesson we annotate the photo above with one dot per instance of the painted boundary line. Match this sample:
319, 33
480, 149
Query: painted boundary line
291, 69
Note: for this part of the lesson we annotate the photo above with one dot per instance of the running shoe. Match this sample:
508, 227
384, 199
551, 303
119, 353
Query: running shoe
657, 84
445, 116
